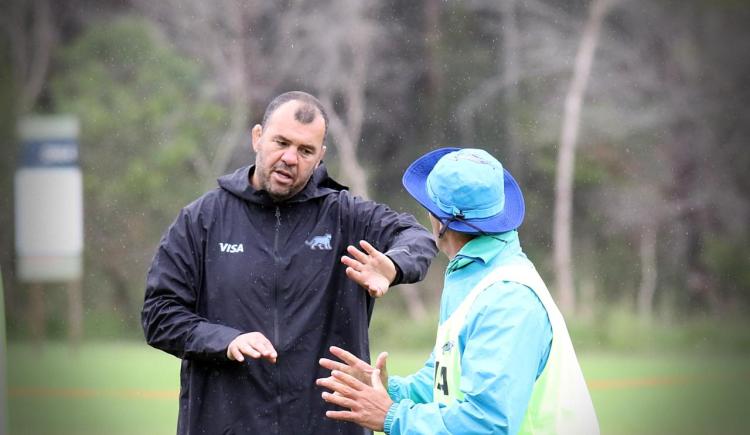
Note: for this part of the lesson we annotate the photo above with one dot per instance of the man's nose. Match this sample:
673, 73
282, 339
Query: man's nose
290, 156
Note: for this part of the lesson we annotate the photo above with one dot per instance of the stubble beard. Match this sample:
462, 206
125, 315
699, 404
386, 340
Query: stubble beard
276, 192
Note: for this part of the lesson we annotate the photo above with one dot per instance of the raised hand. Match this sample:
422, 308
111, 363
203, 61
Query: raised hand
371, 269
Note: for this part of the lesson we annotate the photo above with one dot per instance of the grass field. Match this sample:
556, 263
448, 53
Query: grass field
128, 388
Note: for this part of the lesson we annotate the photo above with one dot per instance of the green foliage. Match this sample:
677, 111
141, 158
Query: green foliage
618, 329
728, 259
146, 124
388, 330
142, 112
662, 113
465, 53
614, 327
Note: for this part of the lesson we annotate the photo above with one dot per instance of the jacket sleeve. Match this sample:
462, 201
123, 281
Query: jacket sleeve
169, 318
507, 342
397, 235
416, 387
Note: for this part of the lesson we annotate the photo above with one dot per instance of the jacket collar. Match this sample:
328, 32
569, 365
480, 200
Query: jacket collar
319, 185
484, 249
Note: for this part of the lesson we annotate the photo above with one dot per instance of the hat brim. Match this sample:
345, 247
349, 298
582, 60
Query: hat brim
510, 218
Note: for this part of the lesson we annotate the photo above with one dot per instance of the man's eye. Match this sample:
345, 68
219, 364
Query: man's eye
307, 152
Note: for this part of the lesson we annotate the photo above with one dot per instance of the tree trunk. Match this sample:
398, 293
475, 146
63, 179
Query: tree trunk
414, 303
37, 318
511, 72
121, 301
354, 174
647, 288
3, 364
33, 38
75, 313
433, 70
562, 229
239, 83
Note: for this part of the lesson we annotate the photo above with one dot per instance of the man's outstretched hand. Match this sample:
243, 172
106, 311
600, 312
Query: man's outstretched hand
357, 386
368, 404
355, 367
369, 268
253, 344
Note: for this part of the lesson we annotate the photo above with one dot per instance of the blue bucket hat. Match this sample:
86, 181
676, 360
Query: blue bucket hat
467, 189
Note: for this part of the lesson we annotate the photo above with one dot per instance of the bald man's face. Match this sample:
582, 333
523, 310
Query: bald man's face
288, 152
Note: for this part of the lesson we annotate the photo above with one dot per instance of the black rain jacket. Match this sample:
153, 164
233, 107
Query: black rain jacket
234, 262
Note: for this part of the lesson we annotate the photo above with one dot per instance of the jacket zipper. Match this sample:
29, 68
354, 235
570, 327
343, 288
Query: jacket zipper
276, 275
276, 261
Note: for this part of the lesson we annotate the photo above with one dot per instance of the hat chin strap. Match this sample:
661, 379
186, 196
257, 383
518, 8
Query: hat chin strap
456, 218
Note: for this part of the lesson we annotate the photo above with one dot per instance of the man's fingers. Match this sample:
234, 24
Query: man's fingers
236, 354
263, 345
357, 254
268, 351
352, 264
347, 357
381, 361
334, 385
349, 380
375, 291
248, 350
333, 365
369, 248
341, 401
377, 384
354, 275
252, 344
340, 415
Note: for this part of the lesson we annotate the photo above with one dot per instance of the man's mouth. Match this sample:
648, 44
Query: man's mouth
283, 176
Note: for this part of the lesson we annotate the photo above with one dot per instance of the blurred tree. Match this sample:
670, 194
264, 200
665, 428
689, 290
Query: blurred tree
235, 42
146, 122
333, 42
256, 49
505, 82
672, 87
8, 152
699, 138
33, 36
28, 36
624, 179
662, 192
3, 363
563, 219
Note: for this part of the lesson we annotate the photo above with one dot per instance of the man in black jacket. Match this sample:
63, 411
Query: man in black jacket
258, 268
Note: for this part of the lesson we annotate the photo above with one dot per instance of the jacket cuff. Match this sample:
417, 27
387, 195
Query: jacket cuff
393, 390
210, 341
389, 418
401, 256
399, 273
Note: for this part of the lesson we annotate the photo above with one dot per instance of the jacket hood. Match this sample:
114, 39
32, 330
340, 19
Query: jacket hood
319, 185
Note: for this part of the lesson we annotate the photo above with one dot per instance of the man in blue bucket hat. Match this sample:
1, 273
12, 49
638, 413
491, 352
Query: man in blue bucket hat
503, 362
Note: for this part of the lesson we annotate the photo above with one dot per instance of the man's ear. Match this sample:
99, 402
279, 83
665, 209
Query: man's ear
322, 155
256, 133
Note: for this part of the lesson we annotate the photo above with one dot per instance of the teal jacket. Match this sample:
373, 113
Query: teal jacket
504, 346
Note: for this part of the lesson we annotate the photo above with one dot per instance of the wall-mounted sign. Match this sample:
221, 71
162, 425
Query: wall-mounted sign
49, 200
